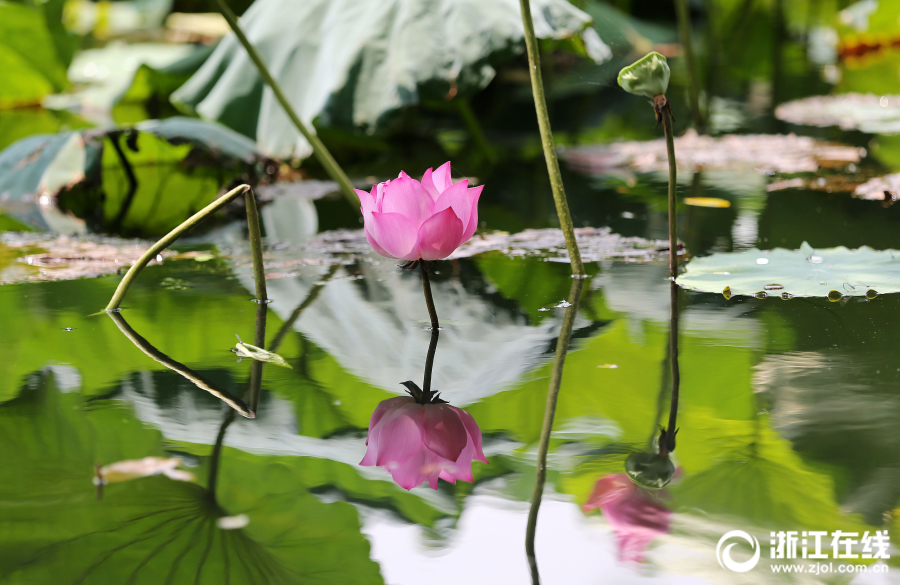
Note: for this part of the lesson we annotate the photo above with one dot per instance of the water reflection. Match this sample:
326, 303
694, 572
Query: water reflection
420, 437
636, 514
197, 379
562, 348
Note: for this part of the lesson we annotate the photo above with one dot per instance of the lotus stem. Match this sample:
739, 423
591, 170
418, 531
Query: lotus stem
233, 401
673, 365
562, 347
687, 45
429, 300
474, 128
540, 105
673, 227
213, 479
256, 367
322, 153
312, 296
259, 272
429, 362
169, 239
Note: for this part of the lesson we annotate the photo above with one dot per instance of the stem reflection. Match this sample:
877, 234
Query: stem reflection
562, 347
189, 374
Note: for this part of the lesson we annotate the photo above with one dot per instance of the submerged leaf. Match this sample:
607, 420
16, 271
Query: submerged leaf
259, 354
829, 273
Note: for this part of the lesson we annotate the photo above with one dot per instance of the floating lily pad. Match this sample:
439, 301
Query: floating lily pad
765, 153
876, 114
832, 273
346, 246
350, 62
886, 188
38, 257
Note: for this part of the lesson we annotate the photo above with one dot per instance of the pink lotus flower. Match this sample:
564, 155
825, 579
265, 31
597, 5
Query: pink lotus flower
422, 442
410, 220
635, 515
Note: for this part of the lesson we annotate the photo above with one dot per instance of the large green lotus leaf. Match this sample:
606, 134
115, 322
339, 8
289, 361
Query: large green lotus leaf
28, 57
807, 272
151, 86
24, 122
351, 61
155, 530
180, 165
218, 139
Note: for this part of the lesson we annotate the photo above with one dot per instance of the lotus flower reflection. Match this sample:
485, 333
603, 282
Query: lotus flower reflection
423, 442
426, 220
633, 512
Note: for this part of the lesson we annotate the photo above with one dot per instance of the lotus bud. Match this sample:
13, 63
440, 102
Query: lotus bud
648, 76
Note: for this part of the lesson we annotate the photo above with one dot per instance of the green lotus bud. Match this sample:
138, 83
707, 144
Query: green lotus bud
648, 76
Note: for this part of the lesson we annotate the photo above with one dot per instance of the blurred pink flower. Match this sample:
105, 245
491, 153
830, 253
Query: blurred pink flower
636, 515
422, 442
410, 220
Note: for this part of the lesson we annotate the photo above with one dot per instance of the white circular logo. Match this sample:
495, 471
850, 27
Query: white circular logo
724, 556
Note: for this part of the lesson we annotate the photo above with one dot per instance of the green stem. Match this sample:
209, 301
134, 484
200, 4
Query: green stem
673, 365
216, 456
192, 376
562, 347
168, 240
429, 362
259, 271
310, 298
429, 300
474, 128
673, 228
540, 105
256, 368
331, 166
687, 45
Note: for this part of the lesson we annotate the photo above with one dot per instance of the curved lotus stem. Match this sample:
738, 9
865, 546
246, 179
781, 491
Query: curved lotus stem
540, 104
169, 239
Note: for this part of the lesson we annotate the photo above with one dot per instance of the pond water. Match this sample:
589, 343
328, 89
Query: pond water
788, 414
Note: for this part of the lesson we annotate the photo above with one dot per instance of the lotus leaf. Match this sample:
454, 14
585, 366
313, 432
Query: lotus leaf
350, 62
178, 164
833, 273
